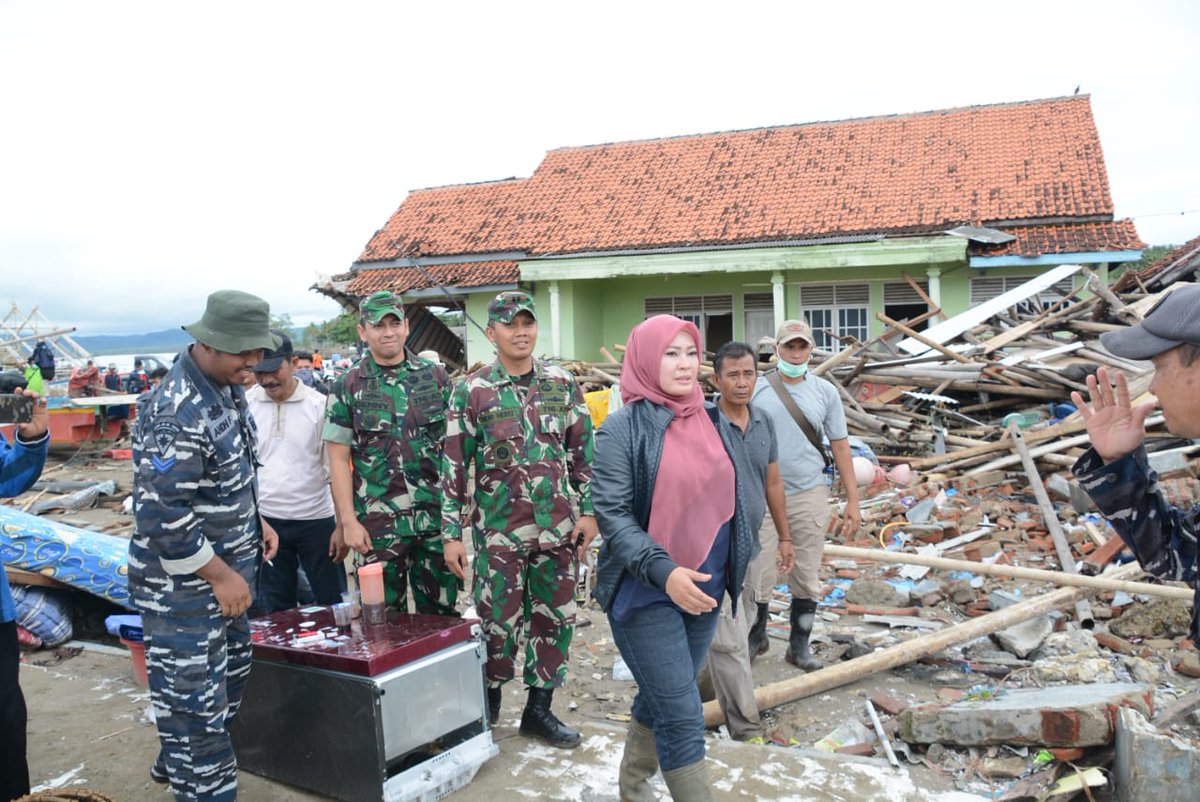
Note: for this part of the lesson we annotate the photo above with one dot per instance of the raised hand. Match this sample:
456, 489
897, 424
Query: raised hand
1115, 427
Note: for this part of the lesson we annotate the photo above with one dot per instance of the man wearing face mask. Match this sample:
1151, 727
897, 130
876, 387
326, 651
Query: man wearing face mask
796, 400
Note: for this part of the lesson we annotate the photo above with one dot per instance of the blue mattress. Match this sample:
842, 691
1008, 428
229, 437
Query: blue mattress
90, 561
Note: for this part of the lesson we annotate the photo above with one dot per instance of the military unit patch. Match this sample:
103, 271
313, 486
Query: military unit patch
164, 433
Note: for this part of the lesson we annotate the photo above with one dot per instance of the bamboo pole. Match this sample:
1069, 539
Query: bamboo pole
835, 676
1050, 432
1010, 571
922, 339
965, 386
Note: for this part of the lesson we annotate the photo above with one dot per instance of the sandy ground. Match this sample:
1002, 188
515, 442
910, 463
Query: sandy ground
90, 724
90, 727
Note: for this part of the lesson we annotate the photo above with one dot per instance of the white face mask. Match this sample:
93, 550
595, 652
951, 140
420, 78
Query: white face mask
793, 371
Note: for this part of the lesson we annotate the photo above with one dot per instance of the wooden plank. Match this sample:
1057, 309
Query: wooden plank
19, 576
835, 676
1083, 610
916, 335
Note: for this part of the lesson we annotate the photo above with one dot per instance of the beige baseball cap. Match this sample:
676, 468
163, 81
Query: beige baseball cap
794, 329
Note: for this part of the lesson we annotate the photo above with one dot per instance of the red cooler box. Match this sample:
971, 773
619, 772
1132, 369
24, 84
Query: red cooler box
374, 713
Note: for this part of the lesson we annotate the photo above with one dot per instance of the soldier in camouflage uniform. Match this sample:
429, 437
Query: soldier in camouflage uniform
1115, 471
198, 543
523, 426
386, 416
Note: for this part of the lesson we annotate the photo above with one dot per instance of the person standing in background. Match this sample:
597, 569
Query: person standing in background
293, 491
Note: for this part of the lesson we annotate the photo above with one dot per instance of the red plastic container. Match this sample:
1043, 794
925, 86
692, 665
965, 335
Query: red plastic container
137, 650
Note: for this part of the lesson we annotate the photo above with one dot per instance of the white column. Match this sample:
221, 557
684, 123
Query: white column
934, 274
777, 298
555, 330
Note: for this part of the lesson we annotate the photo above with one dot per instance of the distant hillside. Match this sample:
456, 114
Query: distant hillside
153, 342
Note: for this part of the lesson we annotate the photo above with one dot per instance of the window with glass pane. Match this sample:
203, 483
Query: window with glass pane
835, 310
853, 323
821, 321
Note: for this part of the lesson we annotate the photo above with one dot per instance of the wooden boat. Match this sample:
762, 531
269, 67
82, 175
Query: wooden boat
78, 420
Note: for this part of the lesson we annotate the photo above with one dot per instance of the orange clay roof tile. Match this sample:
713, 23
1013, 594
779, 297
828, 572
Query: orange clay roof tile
1118, 235
403, 279
908, 173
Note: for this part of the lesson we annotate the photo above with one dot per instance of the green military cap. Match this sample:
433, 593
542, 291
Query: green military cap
505, 306
376, 306
234, 321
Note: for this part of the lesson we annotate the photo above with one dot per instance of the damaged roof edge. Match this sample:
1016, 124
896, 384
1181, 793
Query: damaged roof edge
1055, 259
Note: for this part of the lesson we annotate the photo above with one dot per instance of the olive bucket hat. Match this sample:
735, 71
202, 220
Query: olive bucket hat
235, 321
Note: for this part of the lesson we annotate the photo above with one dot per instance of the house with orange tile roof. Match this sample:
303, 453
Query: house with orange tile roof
737, 231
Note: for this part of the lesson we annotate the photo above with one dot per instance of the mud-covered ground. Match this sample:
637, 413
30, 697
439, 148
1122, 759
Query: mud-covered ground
90, 724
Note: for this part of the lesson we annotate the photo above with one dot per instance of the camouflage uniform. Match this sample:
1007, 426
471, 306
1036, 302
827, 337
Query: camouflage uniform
394, 421
531, 450
1161, 536
195, 497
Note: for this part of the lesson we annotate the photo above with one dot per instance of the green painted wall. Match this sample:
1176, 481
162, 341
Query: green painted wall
479, 347
607, 300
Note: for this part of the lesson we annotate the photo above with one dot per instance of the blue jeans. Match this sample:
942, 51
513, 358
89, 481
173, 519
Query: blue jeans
304, 544
664, 648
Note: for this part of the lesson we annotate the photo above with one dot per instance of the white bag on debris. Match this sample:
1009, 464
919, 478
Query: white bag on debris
851, 732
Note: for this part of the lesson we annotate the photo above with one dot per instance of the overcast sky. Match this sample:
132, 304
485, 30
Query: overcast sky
154, 152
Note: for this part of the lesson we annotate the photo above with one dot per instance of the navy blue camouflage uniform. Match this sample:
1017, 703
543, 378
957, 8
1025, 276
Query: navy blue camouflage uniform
195, 497
1160, 535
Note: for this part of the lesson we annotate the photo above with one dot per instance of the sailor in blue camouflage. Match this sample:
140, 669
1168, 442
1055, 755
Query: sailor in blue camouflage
1116, 470
198, 543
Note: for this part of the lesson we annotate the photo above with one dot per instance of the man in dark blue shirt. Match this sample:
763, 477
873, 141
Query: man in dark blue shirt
21, 463
1115, 471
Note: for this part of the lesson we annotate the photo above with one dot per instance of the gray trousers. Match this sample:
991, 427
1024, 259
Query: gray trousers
728, 665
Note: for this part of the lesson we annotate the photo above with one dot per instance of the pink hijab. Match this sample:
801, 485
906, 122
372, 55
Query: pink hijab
694, 488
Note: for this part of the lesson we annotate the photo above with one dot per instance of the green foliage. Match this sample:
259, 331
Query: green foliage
283, 322
1149, 257
341, 330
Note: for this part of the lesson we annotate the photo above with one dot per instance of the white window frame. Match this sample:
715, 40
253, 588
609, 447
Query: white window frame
694, 308
836, 301
760, 305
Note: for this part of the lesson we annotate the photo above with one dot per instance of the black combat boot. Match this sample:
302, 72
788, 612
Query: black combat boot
802, 614
494, 695
538, 722
758, 632
158, 770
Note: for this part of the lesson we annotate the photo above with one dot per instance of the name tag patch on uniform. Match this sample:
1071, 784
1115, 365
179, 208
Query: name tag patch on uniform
164, 434
221, 420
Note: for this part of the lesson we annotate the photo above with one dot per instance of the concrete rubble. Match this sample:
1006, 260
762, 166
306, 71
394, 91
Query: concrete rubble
1071, 715
1150, 764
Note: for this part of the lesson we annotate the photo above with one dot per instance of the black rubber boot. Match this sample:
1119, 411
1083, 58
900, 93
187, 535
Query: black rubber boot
538, 722
158, 771
798, 654
494, 695
758, 632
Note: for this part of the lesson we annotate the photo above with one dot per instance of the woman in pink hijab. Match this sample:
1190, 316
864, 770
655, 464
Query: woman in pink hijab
675, 540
